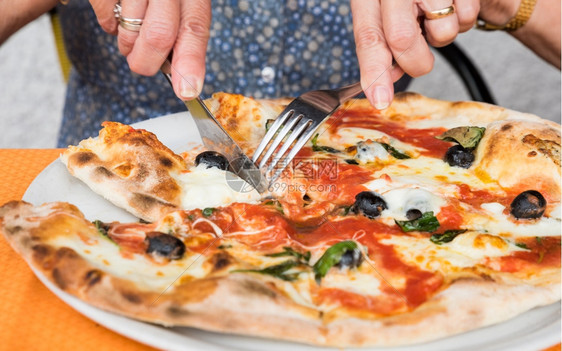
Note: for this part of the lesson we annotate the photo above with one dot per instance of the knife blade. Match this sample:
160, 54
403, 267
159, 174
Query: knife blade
215, 138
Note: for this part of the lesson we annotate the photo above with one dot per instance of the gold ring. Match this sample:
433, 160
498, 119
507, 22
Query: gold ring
447, 11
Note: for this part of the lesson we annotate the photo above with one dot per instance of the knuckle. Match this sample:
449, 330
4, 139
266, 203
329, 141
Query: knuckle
159, 35
127, 41
374, 70
422, 67
468, 15
195, 28
368, 37
109, 25
140, 67
445, 35
469, 12
401, 37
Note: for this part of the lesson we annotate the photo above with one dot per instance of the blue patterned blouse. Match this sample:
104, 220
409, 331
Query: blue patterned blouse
265, 48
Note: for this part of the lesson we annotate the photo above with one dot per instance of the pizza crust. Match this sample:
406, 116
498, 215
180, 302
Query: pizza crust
508, 145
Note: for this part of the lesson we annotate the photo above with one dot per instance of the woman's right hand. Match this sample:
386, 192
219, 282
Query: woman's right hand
179, 25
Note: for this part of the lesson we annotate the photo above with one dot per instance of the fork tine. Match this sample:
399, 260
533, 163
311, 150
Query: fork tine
305, 136
287, 128
300, 128
285, 115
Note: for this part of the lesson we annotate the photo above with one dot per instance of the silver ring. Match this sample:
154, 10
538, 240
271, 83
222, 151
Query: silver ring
132, 24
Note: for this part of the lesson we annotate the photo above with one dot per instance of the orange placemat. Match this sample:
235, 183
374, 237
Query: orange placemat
33, 318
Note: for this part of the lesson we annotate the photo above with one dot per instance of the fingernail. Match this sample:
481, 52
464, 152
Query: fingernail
381, 97
188, 88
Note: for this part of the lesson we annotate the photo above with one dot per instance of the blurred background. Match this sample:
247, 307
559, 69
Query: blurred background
32, 89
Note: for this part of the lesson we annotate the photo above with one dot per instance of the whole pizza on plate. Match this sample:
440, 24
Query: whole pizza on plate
392, 227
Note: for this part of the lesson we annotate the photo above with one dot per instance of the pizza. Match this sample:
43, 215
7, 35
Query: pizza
392, 227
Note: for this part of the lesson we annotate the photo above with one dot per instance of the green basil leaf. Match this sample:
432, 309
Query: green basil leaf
268, 124
538, 239
288, 251
394, 152
102, 229
277, 271
467, 137
331, 257
351, 162
446, 237
426, 223
276, 204
522, 246
346, 209
208, 211
316, 147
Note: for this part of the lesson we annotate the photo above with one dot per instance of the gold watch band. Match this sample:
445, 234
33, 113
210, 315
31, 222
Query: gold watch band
523, 14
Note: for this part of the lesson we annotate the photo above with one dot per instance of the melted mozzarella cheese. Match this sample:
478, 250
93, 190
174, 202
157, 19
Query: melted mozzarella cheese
211, 187
353, 281
466, 250
449, 123
106, 255
496, 222
400, 200
351, 136
432, 174
370, 152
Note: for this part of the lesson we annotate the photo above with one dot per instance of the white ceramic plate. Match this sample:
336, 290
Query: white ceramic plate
534, 330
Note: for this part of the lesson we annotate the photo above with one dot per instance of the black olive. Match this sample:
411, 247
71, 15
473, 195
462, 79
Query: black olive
459, 156
528, 204
350, 259
212, 159
413, 214
369, 204
165, 245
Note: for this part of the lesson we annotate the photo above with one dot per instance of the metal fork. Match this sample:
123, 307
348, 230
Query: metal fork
297, 124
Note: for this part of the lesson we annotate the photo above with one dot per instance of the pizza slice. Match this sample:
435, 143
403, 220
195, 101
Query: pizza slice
350, 281
135, 171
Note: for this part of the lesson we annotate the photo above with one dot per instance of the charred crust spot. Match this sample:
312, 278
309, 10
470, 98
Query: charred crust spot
104, 172
40, 252
177, 312
506, 127
146, 202
137, 140
65, 252
14, 230
84, 157
166, 162
131, 297
221, 260
405, 96
256, 288
486, 277
532, 154
58, 279
142, 173
93, 277
549, 148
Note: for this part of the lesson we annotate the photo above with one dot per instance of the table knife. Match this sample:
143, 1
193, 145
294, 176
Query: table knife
215, 138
